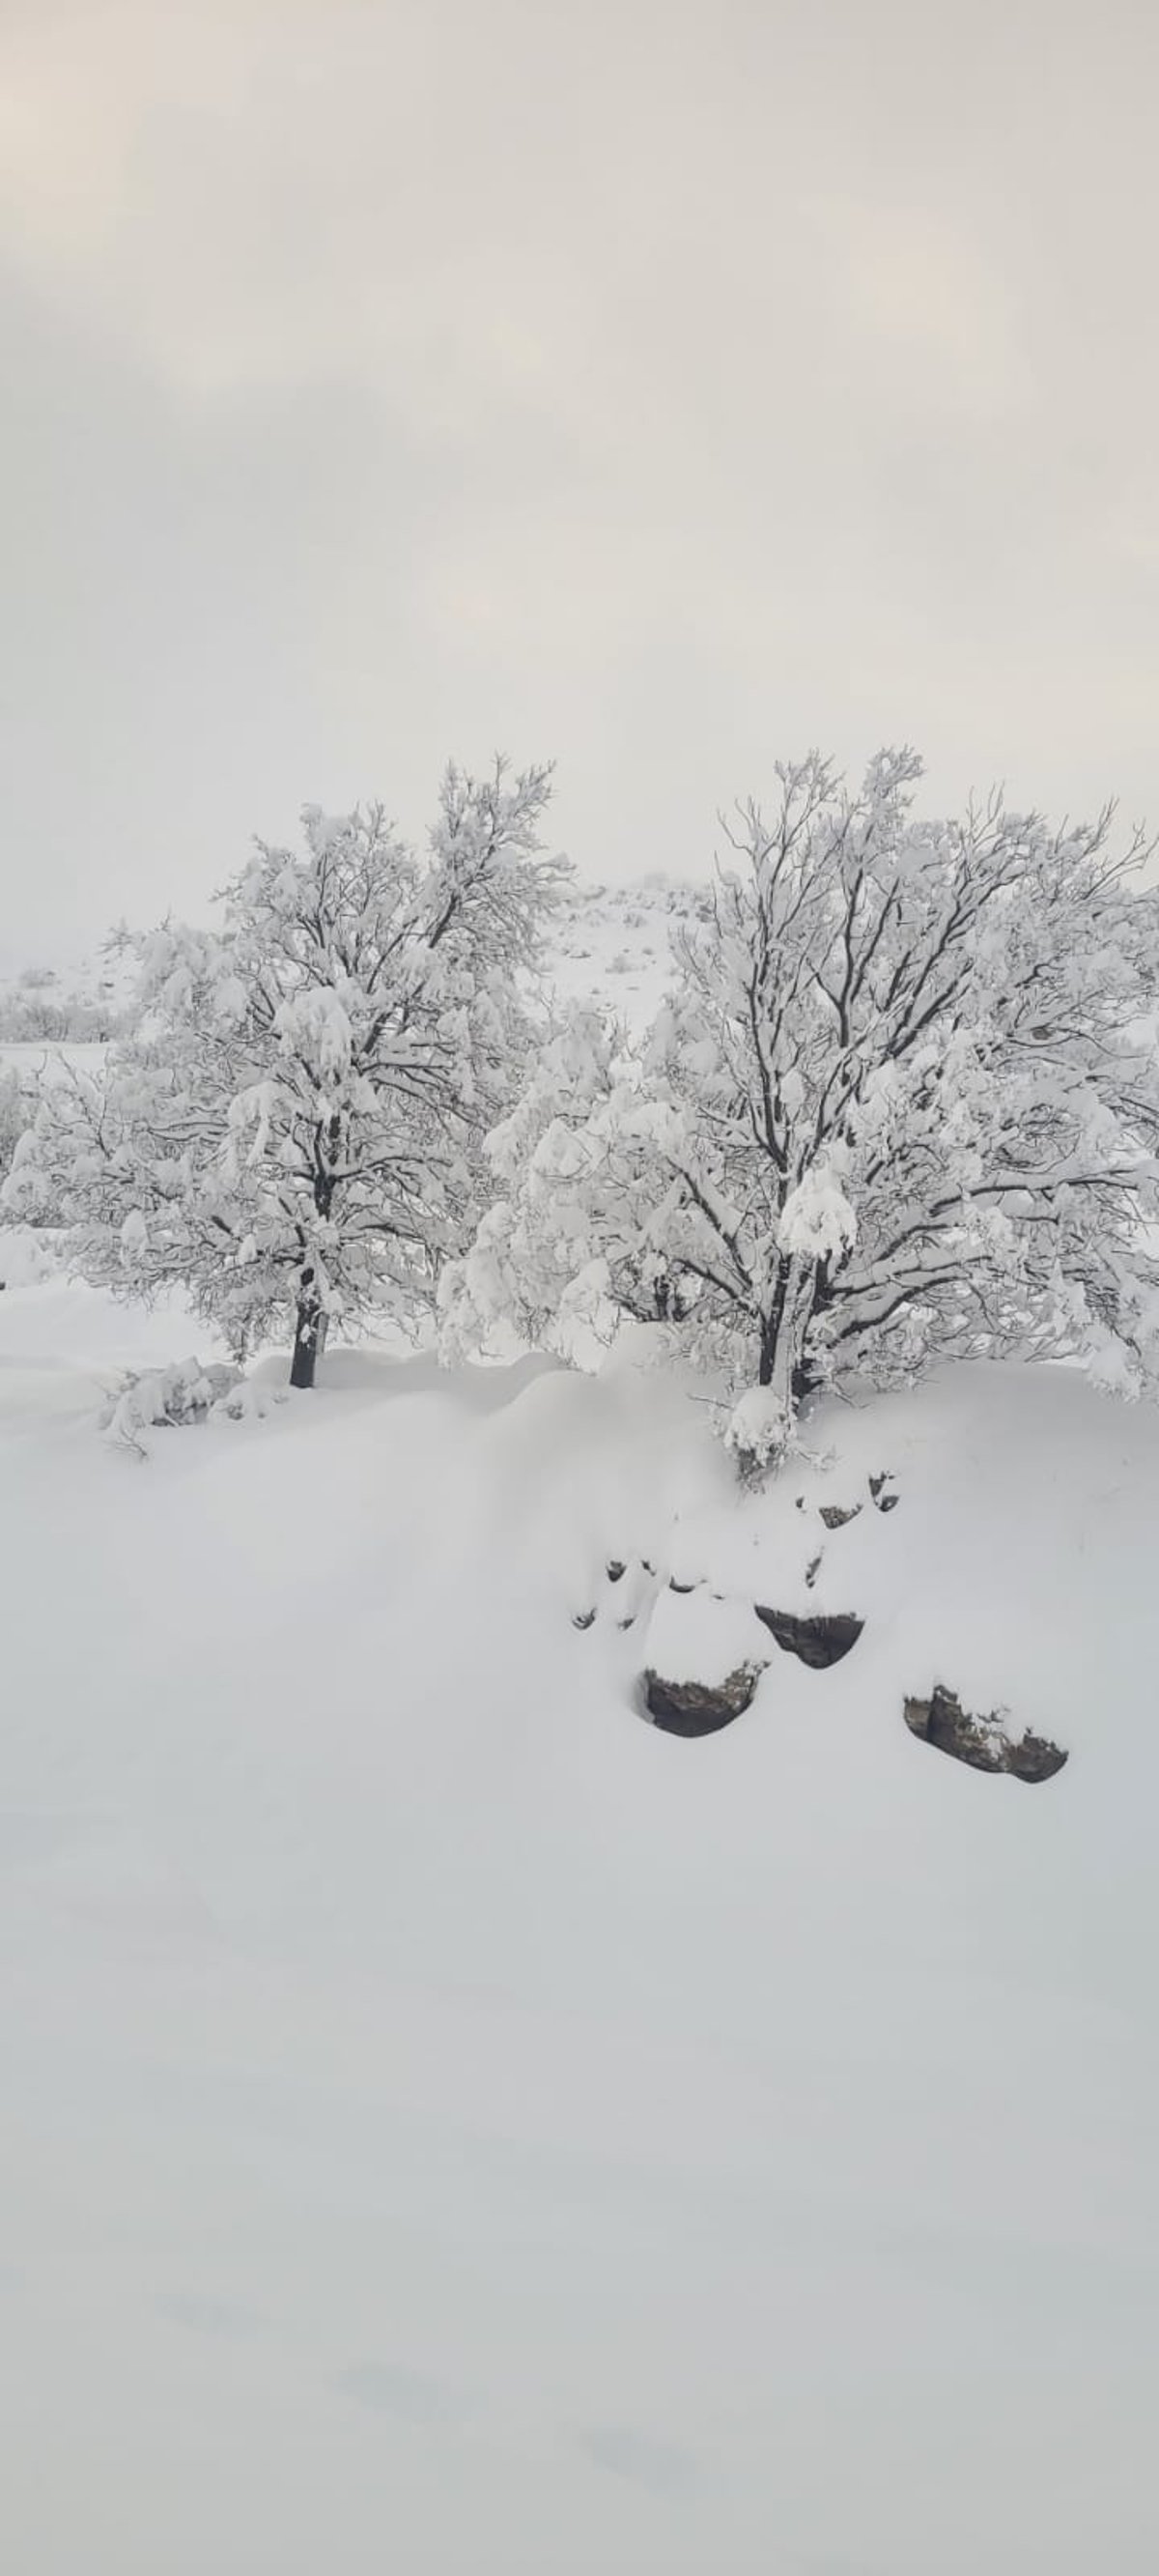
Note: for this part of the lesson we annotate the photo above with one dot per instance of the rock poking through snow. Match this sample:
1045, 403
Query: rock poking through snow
716, 1648
700, 1708
984, 1743
819, 1641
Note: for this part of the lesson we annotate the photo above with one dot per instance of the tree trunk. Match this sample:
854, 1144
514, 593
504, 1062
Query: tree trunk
783, 1368
307, 1334
773, 1326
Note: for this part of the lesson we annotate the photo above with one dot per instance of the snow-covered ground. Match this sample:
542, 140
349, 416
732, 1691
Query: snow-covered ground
612, 944
451, 2124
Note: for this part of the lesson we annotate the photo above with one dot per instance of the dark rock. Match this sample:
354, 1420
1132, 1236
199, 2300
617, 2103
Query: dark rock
885, 1502
700, 1708
819, 1640
615, 1570
1035, 1758
674, 1586
983, 1743
584, 1619
835, 1515
812, 1571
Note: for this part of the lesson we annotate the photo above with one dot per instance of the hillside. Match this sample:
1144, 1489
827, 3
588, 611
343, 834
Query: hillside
440, 2100
612, 943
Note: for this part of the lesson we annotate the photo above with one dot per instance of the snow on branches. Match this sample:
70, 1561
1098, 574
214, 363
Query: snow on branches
570, 1243
294, 1130
902, 1105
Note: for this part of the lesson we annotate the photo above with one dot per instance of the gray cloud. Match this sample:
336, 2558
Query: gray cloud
661, 385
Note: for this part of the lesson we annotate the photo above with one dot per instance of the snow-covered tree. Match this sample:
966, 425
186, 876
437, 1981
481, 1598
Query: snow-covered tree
293, 1131
902, 1104
570, 1243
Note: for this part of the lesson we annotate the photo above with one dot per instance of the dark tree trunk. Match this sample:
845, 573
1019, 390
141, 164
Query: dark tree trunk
307, 1334
770, 1329
311, 1319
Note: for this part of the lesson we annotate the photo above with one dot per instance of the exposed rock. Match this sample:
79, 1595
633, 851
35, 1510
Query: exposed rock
584, 1619
674, 1586
1035, 1758
984, 1743
700, 1708
615, 1569
812, 1571
819, 1640
877, 1489
835, 1515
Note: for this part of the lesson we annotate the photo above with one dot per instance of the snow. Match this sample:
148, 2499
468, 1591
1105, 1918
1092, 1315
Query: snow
50, 1060
705, 1637
817, 1217
612, 945
451, 2124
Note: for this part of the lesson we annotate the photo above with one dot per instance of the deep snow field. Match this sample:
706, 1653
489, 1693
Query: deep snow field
451, 2125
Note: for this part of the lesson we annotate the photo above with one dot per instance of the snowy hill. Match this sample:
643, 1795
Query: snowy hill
603, 942
453, 2121
80, 1001
611, 943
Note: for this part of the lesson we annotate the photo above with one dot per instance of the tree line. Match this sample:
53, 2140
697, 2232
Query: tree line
900, 1103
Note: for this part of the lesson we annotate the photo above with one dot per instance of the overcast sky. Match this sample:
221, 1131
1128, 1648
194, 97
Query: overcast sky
662, 385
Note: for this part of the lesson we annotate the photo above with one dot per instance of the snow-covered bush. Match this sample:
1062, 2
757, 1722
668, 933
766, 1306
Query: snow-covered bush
37, 1010
294, 1130
17, 1106
27, 1256
184, 1392
902, 1104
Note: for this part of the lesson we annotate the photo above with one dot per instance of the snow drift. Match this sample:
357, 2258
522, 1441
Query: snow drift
454, 2123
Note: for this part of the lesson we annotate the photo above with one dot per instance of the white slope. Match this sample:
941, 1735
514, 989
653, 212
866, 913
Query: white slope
612, 944
452, 2125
